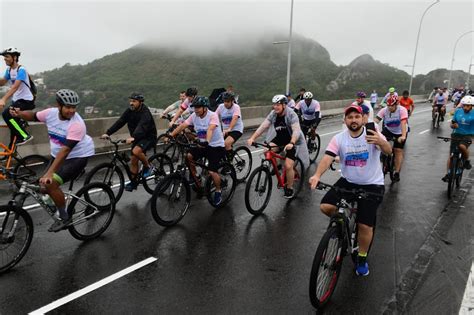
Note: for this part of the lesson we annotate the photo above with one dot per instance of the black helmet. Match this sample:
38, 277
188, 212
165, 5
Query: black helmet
137, 96
226, 96
67, 97
191, 92
200, 101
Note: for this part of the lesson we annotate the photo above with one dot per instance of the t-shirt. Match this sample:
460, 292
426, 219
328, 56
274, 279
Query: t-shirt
59, 131
291, 104
371, 110
373, 98
310, 112
465, 122
360, 161
393, 121
227, 114
406, 102
186, 105
23, 92
282, 129
201, 125
440, 99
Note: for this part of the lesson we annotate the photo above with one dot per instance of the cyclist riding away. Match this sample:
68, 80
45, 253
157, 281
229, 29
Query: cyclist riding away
391, 92
395, 128
185, 106
286, 132
232, 124
359, 151
142, 128
310, 110
211, 139
70, 148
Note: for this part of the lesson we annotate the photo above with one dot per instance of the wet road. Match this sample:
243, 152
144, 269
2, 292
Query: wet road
227, 261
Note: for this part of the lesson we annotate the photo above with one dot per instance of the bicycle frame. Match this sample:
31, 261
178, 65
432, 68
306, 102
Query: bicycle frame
10, 152
272, 158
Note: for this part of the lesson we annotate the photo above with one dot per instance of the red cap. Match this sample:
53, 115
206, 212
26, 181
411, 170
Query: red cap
351, 108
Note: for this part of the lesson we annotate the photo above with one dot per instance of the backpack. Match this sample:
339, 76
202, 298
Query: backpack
31, 86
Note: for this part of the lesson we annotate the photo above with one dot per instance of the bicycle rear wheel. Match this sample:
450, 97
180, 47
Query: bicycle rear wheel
16, 233
228, 183
162, 144
326, 267
314, 145
242, 161
92, 210
170, 200
31, 168
452, 176
109, 174
162, 166
258, 190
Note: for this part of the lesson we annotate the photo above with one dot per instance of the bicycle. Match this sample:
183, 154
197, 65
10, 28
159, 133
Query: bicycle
91, 208
111, 174
260, 181
176, 188
164, 146
313, 142
242, 162
339, 240
436, 117
388, 164
456, 161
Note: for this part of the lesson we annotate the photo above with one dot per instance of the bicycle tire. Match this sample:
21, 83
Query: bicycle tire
113, 178
391, 165
451, 176
327, 262
434, 119
166, 193
242, 166
264, 189
163, 166
460, 168
314, 145
299, 177
161, 145
228, 183
23, 226
85, 219
31, 168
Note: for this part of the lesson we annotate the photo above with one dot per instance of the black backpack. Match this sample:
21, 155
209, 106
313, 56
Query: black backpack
31, 85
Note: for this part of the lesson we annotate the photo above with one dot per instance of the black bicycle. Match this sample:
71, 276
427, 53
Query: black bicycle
313, 141
456, 162
242, 162
111, 174
436, 117
172, 196
339, 240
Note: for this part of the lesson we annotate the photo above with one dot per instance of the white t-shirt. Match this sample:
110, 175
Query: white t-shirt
201, 125
393, 121
227, 115
23, 92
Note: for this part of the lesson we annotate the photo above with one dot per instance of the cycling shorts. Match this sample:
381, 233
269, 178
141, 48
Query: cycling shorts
393, 137
290, 154
464, 140
214, 156
234, 135
69, 170
306, 124
145, 144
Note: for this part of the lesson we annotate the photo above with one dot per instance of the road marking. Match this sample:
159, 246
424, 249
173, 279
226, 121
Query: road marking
424, 131
468, 300
92, 287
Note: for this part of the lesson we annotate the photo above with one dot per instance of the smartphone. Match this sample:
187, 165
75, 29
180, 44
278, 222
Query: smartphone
369, 126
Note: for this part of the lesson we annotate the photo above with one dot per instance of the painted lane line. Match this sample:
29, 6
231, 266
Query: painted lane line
424, 131
467, 304
92, 287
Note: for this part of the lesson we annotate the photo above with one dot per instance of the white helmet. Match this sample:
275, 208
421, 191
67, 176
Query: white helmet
279, 99
308, 95
467, 100
11, 51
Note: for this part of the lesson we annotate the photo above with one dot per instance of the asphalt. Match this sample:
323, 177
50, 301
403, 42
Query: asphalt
227, 261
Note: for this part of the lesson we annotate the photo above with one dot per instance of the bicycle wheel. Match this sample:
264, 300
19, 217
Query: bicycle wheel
242, 161
228, 183
390, 165
170, 200
109, 174
92, 209
258, 190
314, 145
16, 233
162, 166
452, 176
162, 145
326, 267
434, 119
299, 177
31, 168
460, 170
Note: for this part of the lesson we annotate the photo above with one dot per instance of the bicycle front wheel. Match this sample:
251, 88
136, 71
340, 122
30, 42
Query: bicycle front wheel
452, 176
460, 170
16, 233
162, 166
109, 174
258, 190
31, 168
226, 173
326, 267
170, 200
314, 145
92, 210
242, 162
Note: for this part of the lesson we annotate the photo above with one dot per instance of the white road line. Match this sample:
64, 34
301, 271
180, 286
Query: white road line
92, 287
424, 131
467, 304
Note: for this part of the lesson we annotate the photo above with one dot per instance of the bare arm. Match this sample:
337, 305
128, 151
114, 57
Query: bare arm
210, 132
263, 126
25, 115
179, 129
322, 167
9, 94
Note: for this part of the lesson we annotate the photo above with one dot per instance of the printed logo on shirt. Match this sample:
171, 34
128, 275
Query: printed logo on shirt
226, 120
392, 123
358, 159
56, 138
309, 112
202, 134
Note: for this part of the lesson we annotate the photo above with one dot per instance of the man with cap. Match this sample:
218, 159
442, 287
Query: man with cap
359, 151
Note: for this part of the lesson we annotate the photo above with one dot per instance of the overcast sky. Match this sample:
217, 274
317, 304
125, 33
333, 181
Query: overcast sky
52, 33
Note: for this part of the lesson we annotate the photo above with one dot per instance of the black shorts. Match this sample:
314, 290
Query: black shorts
464, 140
391, 136
291, 154
70, 169
234, 134
145, 144
366, 208
306, 124
214, 156
23, 104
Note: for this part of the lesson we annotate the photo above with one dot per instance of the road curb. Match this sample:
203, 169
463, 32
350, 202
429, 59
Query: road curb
413, 277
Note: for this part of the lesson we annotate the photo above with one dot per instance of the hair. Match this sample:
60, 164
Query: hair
182, 92
405, 92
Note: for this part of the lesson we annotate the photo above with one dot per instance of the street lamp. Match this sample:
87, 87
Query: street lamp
452, 59
416, 46
469, 74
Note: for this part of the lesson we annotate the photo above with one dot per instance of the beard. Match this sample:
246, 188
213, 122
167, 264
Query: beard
354, 127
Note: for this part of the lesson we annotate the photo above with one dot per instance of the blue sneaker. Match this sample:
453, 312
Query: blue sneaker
131, 186
147, 172
362, 269
217, 198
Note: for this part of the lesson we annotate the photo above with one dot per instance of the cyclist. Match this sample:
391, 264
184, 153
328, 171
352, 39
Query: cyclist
22, 98
310, 110
360, 100
142, 128
175, 106
70, 148
360, 169
395, 127
291, 101
463, 125
185, 105
439, 103
391, 92
373, 99
232, 124
407, 102
286, 132
457, 96
211, 139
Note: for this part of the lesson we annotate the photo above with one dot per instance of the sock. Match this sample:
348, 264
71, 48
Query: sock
362, 258
63, 213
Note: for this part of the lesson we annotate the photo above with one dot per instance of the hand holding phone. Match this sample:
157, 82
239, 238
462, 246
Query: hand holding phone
369, 126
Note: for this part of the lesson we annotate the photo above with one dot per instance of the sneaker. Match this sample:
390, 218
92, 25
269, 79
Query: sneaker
445, 178
147, 172
24, 141
131, 186
288, 193
58, 225
396, 177
362, 269
467, 165
217, 198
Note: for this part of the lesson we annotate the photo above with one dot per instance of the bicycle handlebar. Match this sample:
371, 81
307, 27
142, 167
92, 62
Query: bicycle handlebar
446, 139
359, 192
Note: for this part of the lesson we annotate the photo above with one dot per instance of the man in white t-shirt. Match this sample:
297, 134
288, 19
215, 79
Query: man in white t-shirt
359, 151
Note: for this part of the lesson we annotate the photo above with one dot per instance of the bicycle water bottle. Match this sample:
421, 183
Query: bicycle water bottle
51, 207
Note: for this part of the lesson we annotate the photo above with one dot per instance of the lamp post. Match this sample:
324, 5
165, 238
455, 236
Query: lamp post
452, 59
288, 67
469, 74
416, 46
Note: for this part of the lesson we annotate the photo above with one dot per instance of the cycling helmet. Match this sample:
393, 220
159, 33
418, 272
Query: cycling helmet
307, 95
392, 100
467, 100
191, 92
279, 99
67, 97
11, 51
227, 96
137, 96
391, 90
361, 94
200, 101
